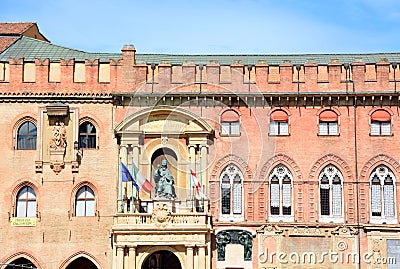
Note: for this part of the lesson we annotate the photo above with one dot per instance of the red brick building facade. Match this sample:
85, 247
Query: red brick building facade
296, 156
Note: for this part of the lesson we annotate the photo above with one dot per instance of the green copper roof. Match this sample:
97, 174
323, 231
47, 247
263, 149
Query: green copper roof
30, 49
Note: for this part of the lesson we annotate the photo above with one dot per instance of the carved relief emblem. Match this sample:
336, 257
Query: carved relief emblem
161, 215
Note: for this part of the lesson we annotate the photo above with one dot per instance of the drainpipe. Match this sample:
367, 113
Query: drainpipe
394, 66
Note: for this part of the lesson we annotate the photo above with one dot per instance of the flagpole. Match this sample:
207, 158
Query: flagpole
133, 193
190, 184
120, 186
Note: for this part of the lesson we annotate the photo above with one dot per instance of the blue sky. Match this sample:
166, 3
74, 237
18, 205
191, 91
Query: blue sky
215, 26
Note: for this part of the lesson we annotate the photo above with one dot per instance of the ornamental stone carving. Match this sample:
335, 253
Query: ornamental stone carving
161, 215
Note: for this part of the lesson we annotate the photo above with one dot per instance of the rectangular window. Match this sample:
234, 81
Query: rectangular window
230, 128
324, 197
55, 72
29, 72
104, 73
328, 128
278, 128
380, 128
79, 72
4, 72
226, 198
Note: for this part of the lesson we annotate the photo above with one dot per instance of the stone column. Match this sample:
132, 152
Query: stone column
120, 257
189, 257
132, 257
202, 257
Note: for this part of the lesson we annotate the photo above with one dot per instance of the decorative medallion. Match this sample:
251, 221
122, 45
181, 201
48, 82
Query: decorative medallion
161, 215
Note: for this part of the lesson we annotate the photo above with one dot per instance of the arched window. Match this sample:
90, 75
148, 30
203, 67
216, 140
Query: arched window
382, 193
26, 203
330, 193
87, 135
328, 123
381, 123
230, 123
280, 181
85, 202
232, 192
279, 123
26, 136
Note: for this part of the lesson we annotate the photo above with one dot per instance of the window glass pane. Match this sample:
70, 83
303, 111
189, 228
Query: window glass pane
90, 208
235, 128
31, 193
284, 128
226, 198
324, 197
89, 193
21, 209
333, 128
323, 128
80, 208
273, 128
388, 200
31, 209
385, 127
375, 128
336, 200
376, 200
225, 128
237, 198
81, 193
286, 199
275, 195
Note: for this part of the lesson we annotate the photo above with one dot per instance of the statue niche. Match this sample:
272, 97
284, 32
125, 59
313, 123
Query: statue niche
164, 182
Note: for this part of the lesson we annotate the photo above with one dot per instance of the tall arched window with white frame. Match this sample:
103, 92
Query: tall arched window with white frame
280, 181
383, 199
231, 193
26, 203
331, 194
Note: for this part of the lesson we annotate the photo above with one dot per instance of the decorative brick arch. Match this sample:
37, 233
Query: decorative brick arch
77, 255
84, 182
23, 254
231, 158
215, 174
330, 158
374, 162
277, 159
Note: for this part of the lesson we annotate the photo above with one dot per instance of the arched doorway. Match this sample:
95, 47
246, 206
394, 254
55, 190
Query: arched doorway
162, 259
81, 263
21, 263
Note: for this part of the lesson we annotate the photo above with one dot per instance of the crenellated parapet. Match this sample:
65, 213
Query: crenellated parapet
130, 72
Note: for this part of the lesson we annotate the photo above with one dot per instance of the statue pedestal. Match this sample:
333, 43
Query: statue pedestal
171, 204
57, 159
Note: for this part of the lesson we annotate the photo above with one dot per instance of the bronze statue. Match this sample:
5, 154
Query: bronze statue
164, 181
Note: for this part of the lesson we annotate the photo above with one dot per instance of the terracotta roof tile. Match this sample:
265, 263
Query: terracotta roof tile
14, 28
5, 42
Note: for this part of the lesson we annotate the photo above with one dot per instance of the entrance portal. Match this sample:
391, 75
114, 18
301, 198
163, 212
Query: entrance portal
162, 259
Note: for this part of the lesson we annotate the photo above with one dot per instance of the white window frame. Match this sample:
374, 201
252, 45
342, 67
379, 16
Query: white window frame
382, 171
332, 128
330, 171
231, 171
279, 128
281, 171
81, 198
380, 128
28, 203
